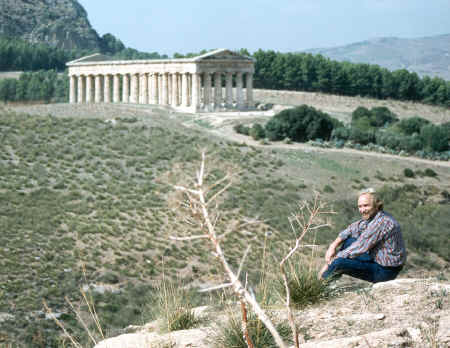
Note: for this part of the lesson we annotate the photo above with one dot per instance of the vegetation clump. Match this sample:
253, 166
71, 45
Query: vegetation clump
409, 173
300, 124
231, 335
304, 287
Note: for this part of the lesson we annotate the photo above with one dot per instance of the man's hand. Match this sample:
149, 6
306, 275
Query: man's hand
330, 254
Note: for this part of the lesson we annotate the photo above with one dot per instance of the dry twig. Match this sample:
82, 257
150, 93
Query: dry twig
198, 204
305, 220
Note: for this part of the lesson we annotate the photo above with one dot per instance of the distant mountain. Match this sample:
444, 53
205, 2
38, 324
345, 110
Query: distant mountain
60, 23
425, 56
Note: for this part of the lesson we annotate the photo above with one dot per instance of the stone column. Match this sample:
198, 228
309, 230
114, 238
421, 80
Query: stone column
149, 88
107, 89
116, 88
126, 89
175, 87
155, 89
185, 89
169, 89
249, 87
143, 89
89, 89
217, 89
165, 89
160, 89
229, 90
239, 96
189, 84
180, 87
134, 89
81, 89
207, 91
98, 88
73, 91
195, 91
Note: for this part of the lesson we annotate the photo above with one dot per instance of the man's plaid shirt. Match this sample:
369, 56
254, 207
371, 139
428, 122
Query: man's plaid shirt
380, 236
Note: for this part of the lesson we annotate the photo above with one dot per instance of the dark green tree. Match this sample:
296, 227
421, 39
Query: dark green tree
300, 124
435, 138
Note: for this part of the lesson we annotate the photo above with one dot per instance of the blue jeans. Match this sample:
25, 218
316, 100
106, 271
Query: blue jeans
361, 267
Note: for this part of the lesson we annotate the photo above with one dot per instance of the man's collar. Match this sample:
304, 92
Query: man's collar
377, 214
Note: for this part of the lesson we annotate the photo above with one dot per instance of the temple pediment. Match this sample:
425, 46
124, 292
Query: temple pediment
96, 57
221, 54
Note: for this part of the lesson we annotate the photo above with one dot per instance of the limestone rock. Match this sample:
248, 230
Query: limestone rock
60, 23
177, 339
396, 337
443, 334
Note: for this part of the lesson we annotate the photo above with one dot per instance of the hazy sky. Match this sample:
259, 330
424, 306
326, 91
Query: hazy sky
169, 26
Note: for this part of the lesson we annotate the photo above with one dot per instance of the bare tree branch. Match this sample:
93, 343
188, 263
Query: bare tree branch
201, 206
243, 261
305, 224
189, 238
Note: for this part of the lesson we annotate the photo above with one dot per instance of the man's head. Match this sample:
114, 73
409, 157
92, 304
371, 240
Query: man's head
369, 203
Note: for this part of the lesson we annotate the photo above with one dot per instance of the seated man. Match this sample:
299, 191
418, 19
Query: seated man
372, 248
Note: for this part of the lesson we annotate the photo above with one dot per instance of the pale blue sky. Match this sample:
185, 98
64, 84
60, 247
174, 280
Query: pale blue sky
282, 25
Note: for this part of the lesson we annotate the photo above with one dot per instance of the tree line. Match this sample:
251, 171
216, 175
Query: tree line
315, 73
43, 85
20, 55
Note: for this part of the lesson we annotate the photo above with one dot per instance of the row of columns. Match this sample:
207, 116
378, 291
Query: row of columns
175, 89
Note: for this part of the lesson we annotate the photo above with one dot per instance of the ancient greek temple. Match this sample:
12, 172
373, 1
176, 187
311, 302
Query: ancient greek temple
218, 80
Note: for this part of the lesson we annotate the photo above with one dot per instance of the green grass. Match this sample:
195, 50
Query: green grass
230, 334
304, 287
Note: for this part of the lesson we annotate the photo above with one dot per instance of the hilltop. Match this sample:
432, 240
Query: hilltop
425, 56
93, 184
60, 23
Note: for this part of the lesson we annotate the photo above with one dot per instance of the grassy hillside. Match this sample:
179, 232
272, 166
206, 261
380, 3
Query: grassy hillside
76, 189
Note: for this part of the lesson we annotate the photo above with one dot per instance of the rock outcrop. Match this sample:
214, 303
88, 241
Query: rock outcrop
399, 313
60, 23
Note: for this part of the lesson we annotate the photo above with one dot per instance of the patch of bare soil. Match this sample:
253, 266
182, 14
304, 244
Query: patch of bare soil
336, 105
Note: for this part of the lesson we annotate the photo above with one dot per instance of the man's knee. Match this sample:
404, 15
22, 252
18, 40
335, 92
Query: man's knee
337, 263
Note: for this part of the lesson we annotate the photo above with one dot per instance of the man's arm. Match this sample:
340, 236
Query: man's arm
331, 252
368, 239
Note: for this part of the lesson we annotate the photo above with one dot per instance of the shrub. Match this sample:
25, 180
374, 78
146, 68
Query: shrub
360, 112
412, 125
388, 139
241, 129
231, 335
411, 143
360, 136
341, 133
257, 132
174, 307
430, 172
382, 116
365, 119
328, 189
409, 173
435, 138
304, 287
300, 124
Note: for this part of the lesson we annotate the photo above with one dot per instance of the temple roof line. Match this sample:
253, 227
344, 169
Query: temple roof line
216, 55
